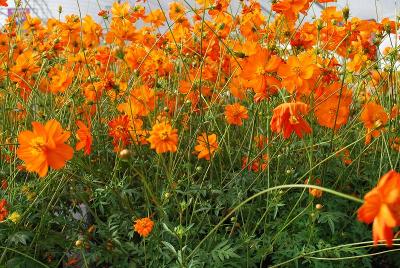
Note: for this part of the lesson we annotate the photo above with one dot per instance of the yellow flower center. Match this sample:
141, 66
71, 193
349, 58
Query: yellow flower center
378, 123
293, 120
164, 135
38, 145
296, 70
260, 70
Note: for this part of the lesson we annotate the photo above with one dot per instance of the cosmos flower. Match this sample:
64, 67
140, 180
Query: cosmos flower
44, 146
382, 207
287, 118
163, 138
206, 146
235, 113
143, 226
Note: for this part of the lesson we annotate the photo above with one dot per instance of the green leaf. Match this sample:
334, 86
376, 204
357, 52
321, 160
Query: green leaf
20, 238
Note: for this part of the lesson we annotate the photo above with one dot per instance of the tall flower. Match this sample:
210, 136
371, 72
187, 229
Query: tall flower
85, 138
119, 129
163, 138
314, 192
259, 70
374, 118
206, 146
287, 118
332, 108
44, 146
3, 209
296, 73
143, 226
235, 113
382, 207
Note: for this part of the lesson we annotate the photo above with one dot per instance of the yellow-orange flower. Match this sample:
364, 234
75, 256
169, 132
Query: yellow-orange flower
44, 146
295, 74
382, 207
374, 118
143, 226
85, 138
206, 146
163, 138
235, 113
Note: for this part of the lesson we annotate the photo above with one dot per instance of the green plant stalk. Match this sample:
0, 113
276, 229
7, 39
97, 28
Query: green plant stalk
288, 186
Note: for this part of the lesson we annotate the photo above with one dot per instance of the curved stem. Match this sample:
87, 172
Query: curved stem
288, 186
25, 255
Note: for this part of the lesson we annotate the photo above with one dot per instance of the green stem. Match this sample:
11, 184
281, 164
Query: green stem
23, 254
288, 186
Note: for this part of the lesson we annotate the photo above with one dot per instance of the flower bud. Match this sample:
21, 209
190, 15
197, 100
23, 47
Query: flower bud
125, 154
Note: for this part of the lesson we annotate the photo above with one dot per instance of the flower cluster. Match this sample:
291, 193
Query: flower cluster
171, 111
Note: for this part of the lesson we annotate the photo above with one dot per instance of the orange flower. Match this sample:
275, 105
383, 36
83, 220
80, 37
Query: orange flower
235, 113
258, 70
345, 155
143, 226
295, 74
332, 109
3, 209
287, 118
315, 192
259, 164
395, 112
44, 146
85, 138
374, 118
140, 103
4, 184
163, 138
3, 3
155, 17
119, 130
206, 146
261, 141
290, 8
382, 207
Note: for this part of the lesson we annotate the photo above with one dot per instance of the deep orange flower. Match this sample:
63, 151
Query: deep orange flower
345, 155
315, 192
3, 209
3, 3
235, 113
261, 141
4, 184
85, 138
119, 130
374, 118
287, 118
259, 164
206, 146
44, 146
143, 226
382, 207
163, 138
